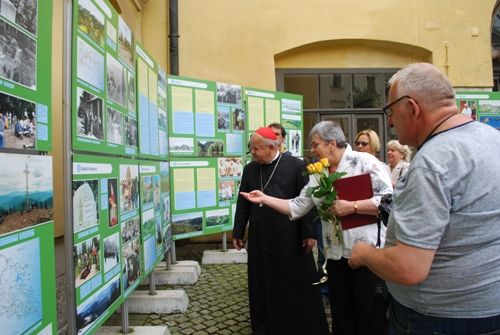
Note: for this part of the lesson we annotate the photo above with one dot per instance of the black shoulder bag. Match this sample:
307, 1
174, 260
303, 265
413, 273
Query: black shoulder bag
384, 210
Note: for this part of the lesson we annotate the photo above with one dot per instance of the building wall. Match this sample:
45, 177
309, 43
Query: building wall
245, 41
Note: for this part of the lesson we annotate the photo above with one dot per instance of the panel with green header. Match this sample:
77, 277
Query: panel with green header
481, 106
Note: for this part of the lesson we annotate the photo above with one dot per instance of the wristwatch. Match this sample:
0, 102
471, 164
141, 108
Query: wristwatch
355, 205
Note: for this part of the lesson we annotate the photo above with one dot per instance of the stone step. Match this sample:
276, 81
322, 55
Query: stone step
231, 256
180, 264
136, 330
164, 302
181, 275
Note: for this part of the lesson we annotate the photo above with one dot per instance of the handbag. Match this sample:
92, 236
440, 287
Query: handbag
384, 210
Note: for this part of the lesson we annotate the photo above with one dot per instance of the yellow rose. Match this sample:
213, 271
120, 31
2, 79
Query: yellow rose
310, 168
325, 162
318, 167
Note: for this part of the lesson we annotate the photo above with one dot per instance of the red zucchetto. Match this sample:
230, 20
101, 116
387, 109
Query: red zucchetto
266, 132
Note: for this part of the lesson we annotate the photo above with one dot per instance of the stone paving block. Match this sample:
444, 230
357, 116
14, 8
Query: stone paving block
231, 256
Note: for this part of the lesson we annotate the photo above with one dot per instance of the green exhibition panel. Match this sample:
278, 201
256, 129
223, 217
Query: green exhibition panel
481, 106
266, 107
152, 119
27, 261
204, 193
106, 237
26, 75
154, 224
206, 119
104, 107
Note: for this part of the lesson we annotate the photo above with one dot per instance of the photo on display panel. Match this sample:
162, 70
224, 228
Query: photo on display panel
129, 188
238, 119
131, 92
85, 205
294, 144
187, 223
114, 126
86, 259
115, 80
210, 148
125, 43
131, 262
230, 167
26, 194
217, 218
230, 94
91, 21
156, 192
223, 117
111, 252
130, 229
89, 65
89, 120
17, 122
112, 202
17, 55
130, 126
146, 189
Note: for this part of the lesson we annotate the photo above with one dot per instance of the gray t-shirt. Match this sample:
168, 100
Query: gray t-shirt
449, 201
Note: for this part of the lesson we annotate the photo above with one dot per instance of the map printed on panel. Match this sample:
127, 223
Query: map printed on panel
21, 302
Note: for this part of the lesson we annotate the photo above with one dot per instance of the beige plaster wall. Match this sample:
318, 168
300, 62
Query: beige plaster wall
237, 41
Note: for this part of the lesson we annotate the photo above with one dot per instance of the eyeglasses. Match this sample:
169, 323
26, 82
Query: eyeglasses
387, 108
363, 144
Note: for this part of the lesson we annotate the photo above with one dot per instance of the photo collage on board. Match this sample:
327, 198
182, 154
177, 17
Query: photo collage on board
105, 117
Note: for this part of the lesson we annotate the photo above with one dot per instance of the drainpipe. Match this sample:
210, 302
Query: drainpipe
174, 36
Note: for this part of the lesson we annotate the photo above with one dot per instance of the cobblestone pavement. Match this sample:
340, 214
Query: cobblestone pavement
218, 302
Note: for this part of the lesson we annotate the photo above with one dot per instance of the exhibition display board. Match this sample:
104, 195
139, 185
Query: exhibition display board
206, 119
481, 106
104, 100
27, 263
152, 120
204, 193
266, 107
26, 75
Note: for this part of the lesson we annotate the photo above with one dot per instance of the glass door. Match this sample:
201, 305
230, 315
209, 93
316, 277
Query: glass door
375, 122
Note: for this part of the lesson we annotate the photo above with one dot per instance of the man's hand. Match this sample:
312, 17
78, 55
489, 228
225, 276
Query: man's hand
308, 244
256, 196
238, 243
357, 254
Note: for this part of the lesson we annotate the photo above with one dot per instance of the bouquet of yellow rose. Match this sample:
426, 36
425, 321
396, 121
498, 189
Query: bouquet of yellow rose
326, 192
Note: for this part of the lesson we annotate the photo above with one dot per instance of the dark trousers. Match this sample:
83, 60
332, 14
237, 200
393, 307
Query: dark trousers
406, 321
356, 299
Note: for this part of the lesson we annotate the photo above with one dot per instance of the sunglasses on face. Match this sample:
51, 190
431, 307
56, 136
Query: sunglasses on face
363, 144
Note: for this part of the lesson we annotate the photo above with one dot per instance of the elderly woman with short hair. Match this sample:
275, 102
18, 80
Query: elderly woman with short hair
398, 158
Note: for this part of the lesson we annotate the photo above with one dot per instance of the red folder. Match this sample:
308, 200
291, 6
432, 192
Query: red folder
355, 188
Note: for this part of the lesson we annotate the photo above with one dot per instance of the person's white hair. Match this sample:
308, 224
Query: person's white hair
423, 82
403, 149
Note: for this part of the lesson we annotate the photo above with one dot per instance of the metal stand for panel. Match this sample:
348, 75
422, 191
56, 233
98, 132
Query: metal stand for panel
152, 283
67, 168
172, 254
224, 242
168, 261
124, 312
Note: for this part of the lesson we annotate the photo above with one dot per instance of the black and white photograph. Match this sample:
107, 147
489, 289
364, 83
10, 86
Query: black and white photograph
131, 92
114, 126
22, 12
89, 120
294, 142
166, 208
130, 127
17, 122
115, 80
91, 21
223, 117
125, 43
162, 118
238, 119
85, 204
130, 229
111, 252
159, 235
229, 94
17, 56
131, 262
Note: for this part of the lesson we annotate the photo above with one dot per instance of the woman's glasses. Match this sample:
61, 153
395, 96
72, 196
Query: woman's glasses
363, 144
